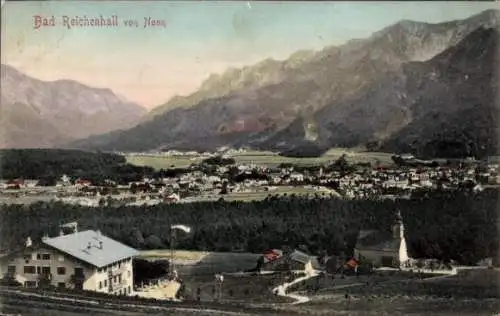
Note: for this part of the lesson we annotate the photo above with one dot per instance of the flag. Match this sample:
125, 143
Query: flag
70, 225
181, 227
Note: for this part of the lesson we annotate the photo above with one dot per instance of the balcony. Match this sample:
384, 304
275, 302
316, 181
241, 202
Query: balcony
115, 271
117, 286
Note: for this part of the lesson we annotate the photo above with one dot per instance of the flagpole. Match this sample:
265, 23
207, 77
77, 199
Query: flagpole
184, 228
171, 265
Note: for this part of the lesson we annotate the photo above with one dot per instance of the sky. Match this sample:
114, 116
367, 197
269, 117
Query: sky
150, 65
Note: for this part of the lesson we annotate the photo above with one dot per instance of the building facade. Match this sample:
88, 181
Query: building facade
82, 261
382, 249
277, 260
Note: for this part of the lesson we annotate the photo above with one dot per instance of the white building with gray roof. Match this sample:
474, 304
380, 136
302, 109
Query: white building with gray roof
84, 260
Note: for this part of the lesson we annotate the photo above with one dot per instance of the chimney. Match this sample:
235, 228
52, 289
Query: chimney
100, 244
61, 233
45, 237
29, 243
89, 245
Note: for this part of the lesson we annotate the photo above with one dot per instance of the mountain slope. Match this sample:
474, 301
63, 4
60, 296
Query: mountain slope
444, 107
456, 104
249, 106
21, 125
62, 110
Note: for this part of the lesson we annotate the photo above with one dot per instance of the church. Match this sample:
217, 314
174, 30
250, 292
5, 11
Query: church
383, 249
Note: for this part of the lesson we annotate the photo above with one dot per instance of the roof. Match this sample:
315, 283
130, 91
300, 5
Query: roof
18, 251
77, 245
377, 240
272, 254
299, 256
304, 258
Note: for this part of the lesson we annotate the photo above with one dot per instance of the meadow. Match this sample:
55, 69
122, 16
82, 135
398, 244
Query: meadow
265, 158
204, 262
262, 194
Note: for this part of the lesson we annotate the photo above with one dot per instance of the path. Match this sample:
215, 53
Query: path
299, 299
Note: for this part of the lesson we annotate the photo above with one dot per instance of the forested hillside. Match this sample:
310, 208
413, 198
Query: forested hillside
448, 225
50, 164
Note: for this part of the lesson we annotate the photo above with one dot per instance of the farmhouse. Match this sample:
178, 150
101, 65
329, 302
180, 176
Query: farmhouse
15, 184
84, 260
278, 260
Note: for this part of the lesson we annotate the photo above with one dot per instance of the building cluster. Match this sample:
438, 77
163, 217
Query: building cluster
195, 184
384, 182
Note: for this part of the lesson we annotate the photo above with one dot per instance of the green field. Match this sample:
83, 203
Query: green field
204, 262
280, 190
261, 194
263, 158
159, 162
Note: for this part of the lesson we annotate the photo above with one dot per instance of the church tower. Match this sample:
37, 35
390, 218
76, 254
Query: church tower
399, 238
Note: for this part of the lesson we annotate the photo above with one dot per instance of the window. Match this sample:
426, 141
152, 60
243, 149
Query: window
46, 256
27, 257
30, 283
60, 258
119, 278
45, 270
29, 269
79, 271
100, 285
37, 256
11, 269
38, 270
115, 279
105, 282
129, 290
61, 270
61, 285
128, 274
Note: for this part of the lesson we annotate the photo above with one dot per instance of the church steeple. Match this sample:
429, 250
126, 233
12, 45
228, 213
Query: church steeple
398, 227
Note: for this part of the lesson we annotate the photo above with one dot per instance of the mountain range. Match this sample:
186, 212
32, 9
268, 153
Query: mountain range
416, 87
36, 113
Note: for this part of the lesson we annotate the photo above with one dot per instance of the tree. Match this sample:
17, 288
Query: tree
153, 242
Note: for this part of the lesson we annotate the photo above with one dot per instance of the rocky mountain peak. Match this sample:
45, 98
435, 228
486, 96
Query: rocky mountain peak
65, 109
355, 93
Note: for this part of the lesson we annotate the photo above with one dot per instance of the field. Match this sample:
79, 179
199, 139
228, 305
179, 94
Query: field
262, 158
281, 190
197, 270
262, 194
379, 294
200, 263
253, 289
471, 292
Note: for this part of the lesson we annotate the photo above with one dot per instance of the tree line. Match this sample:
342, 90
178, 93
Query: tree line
49, 165
456, 225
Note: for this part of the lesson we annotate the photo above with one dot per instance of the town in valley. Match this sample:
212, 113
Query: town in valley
250, 159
